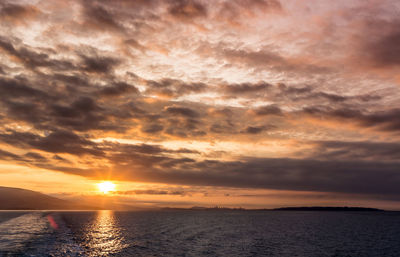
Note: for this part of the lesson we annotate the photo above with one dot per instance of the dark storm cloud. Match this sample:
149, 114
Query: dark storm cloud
341, 150
5, 155
81, 108
329, 96
65, 142
151, 192
119, 88
245, 88
243, 4
182, 111
149, 163
184, 128
15, 12
152, 128
282, 93
388, 120
47, 106
34, 159
39, 161
266, 59
362, 177
174, 88
99, 64
82, 114
253, 58
134, 157
387, 49
149, 149
314, 96
187, 9
34, 156
73, 82
268, 110
12, 10
78, 104
223, 127
383, 42
55, 142
97, 17
19, 87
32, 57
61, 159
234, 10
256, 129
66, 104
26, 112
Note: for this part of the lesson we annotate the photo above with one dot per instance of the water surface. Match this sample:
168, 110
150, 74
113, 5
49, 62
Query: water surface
200, 233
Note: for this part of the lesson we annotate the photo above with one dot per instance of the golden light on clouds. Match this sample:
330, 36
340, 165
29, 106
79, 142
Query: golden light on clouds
240, 95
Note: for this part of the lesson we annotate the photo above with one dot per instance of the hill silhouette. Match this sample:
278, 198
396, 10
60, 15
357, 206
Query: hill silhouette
22, 199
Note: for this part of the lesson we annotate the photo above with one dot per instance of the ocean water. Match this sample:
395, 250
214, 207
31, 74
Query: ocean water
200, 233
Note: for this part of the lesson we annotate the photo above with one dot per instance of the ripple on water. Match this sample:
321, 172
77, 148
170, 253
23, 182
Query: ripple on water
103, 236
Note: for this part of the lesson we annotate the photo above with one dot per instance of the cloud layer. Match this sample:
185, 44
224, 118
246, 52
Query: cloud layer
240, 94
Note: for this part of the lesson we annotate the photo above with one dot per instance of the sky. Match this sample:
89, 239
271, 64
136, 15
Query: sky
239, 103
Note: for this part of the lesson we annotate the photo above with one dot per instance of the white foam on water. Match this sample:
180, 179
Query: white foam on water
16, 232
63, 243
32, 235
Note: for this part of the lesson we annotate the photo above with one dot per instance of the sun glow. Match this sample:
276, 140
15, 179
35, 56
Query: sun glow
106, 187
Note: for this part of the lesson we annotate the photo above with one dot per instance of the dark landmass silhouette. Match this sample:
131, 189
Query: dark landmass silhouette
322, 208
313, 208
22, 199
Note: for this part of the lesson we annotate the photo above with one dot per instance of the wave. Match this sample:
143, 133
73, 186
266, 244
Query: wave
37, 234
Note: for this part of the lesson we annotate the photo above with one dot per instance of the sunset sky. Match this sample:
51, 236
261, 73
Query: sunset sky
251, 103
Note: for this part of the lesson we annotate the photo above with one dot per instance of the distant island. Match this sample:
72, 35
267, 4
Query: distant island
322, 208
313, 208
22, 199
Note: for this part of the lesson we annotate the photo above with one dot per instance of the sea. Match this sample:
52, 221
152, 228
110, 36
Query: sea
199, 233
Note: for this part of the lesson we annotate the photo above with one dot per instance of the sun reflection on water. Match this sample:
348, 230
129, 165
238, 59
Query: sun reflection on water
104, 235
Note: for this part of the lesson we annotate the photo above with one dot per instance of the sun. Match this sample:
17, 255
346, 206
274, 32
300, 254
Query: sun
106, 187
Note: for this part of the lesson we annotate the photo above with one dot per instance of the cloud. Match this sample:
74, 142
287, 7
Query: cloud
151, 192
99, 64
118, 89
97, 17
387, 120
245, 88
33, 58
268, 59
17, 13
240, 82
285, 174
361, 150
173, 88
5, 155
34, 156
18, 87
256, 129
182, 111
187, 9
235, 12
268, 110
55, 142
382, 42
